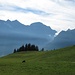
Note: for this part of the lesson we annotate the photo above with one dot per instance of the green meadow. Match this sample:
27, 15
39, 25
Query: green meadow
54, 62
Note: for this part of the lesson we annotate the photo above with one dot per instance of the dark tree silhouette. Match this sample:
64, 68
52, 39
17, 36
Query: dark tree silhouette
42, 49
33, 48
37, 48
27, 47
15, 51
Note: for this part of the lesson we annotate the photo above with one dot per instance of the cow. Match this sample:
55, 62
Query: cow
23, 61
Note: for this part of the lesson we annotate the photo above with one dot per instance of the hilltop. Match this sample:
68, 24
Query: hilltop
55, 62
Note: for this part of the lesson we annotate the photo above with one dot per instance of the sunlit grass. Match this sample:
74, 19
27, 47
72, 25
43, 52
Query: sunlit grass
57, 62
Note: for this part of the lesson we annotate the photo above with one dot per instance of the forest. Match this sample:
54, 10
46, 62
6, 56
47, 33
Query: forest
27, 47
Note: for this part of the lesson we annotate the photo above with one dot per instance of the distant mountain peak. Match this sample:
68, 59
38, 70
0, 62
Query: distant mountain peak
8, 20
2, 21
15, 21
68, 29
63, 39
37, 23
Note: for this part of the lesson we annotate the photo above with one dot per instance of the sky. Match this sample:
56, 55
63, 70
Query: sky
58, 14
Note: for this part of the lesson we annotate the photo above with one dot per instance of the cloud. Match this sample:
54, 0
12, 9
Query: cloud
28, 10
70, 0
25, 10
58, 14
69, 3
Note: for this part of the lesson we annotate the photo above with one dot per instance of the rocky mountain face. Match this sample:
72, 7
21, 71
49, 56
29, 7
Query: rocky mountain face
63, 39
13, 34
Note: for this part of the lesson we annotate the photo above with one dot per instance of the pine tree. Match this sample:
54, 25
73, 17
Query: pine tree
15, 51
27, 47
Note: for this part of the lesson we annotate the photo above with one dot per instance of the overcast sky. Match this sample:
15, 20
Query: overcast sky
58, 14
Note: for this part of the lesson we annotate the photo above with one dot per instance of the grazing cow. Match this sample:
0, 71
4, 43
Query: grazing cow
23, 61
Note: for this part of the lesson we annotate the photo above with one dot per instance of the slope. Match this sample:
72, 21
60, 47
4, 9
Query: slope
63, 39
56, 62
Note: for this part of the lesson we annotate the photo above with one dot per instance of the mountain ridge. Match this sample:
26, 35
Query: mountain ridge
63, 39
14, 34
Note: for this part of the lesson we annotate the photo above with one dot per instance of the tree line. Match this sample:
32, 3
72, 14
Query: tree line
27, 47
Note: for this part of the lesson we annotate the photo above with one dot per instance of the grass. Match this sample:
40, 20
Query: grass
56, 62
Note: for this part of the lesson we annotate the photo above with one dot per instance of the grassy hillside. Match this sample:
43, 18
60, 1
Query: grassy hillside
57, 62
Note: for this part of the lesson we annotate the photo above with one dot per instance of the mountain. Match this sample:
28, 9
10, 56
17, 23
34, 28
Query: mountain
13, 34
63, 39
